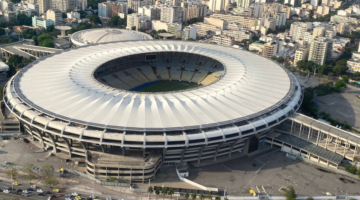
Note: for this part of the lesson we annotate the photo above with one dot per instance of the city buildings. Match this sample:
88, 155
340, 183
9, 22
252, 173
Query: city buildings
189, 32
138, 21
298, 29
119, 7
104, 9
63, 5
72, 14
153, 12
41, 22
55, 16
171, 14
270, 49
320, 50
223, 40
301, 54
44, 5
218, 5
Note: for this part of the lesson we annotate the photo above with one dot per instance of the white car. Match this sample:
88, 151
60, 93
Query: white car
68, 198
40, 191
6, 191
25, 191
74, 194
33, 186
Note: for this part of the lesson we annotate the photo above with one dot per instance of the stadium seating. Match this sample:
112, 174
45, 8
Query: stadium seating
199, 75
175, 73
187, 74
163, 72
149, 73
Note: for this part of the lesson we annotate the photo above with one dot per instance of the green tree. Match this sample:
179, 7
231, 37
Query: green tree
47, 170
133, 28
209, 196
164, 191
359, 173
301, 64
157, 192
112, 179
22, 19
171, 192
186, 196
193, 196
30, 177
93, 3
290, 193
50, 181
273, 57
150, 190
217, 197
12, 172
340, 84
351, 169
63, 15
345, 78
280, 59
311, 14
309, 198
201, 196
114, 21
234, 5
340, 67
48, 43
50, 28
94, 18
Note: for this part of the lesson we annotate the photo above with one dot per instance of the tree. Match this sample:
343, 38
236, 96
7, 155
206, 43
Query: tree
150, 190
28, 167
186, 196
157, 192
112, 179
63, 15
193, 196
290, 193
311, 14
94, 18
48, 43
50, 28
217, 197
359, 173
47, 170
93, 3
12, 172
340, 67
273, 57
133, 28
209, 196
164, 191
225, 198
351, 169
234, 4
301, 64
171, 192
30, 177
280, 59
340, 84
309, 198
201, 196
50, 181
345, 78
114, 21
22, 19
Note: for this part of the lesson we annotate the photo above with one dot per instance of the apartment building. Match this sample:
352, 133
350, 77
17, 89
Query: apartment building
223, 40
195, 11
247, 22
298, 29
55, 16
138, 21
41, 22
202, 28
318, 31
239, 35
301, 54
119, 7
218, 5
320, 50
153, 12
342, 19
189, 32
136, 4
104, 9
270, 49
63, 5
44, 5
171, 14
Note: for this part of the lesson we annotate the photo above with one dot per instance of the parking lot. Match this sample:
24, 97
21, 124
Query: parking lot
272, 170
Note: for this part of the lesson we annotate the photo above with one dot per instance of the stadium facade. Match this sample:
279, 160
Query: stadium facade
80, 104
104, 35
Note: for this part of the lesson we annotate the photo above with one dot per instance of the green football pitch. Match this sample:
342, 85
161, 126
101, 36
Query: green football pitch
166, 86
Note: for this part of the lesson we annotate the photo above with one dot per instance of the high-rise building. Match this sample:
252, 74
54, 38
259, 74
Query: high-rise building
270, 23
72, 14
218, 5
258, 10
270, 49
195, 11
301, 54
171, 14
243, 3
189, 32
153, 12
280, 18
104, 9
223, 40
55, 16
330, 34
318, 31
138, 21
119, 7
320, 50
63, 5
81, 4
136, 4
297, 29
44, 5
41, 22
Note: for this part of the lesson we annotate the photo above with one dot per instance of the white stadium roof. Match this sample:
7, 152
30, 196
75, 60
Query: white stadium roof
103, 35
63, 86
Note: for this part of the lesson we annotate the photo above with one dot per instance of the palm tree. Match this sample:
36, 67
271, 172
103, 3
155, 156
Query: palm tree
164, 191
150, 190
209, 196
217, 197
157, 192
186, 196
171, 192
201, 196
193, 196
225, 198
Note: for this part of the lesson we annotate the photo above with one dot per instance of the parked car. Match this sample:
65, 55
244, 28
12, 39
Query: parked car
74, 194
30, 189
40, 191
26, 140
59, 195
25, 191
6, 191
41, 194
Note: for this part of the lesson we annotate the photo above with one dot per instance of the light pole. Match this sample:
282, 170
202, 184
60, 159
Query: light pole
225, 192
93, 190
148, 190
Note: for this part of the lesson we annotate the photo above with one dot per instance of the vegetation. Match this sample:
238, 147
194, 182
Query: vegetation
309, 198
340, 84
193, 196
351, 169
116, 21
94, 18
112, 179
280, 59
93, 3
186, 196
50, 181
45, 40
217, 197
201, 196
195, 20
12, 172
47, 170
273, 57
171, 192
209, 196
290, 193
30, 176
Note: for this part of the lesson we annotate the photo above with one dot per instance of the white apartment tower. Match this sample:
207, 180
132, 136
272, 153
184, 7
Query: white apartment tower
218, 5
320, 50
243, 3
44, 5
55, 16
297, 29
258, 10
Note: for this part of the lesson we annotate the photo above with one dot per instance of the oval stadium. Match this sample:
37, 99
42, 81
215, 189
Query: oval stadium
126, 108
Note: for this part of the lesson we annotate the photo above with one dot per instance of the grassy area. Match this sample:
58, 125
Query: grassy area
166, 86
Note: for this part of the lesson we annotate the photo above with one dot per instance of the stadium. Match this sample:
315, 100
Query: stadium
127, 108
103, 35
